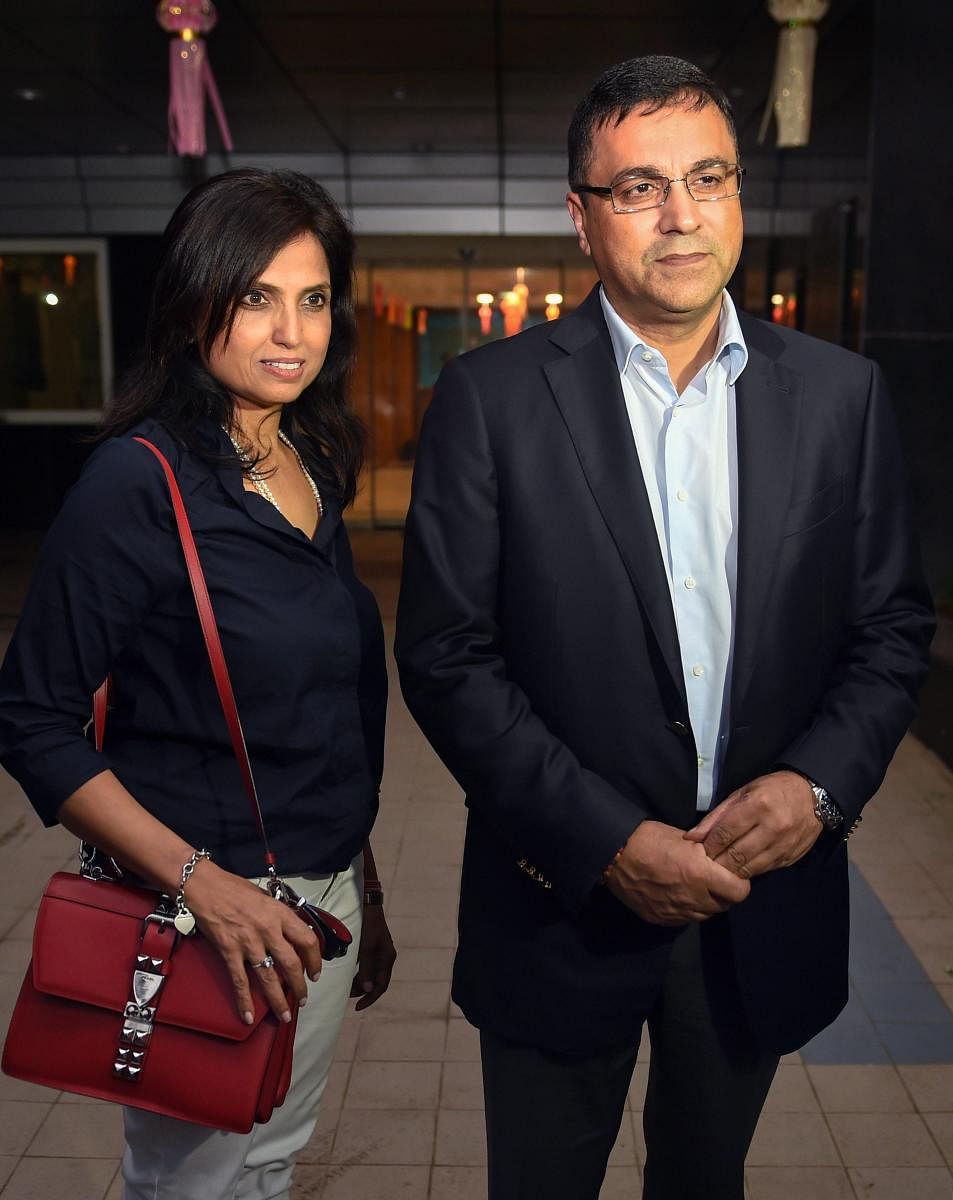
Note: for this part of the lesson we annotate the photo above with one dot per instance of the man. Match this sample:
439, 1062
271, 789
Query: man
663, 618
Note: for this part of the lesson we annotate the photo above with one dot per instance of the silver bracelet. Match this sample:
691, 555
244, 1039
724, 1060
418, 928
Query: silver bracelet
184, 921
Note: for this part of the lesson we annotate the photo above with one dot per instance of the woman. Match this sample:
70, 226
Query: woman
241, 384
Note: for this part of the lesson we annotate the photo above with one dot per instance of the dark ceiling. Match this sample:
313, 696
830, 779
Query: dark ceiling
365, 77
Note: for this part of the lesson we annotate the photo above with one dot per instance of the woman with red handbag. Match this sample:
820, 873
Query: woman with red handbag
242, 388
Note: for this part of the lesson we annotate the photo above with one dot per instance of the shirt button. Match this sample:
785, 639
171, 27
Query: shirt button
701, 761
690, 583
681, 494
698, 670
646, 355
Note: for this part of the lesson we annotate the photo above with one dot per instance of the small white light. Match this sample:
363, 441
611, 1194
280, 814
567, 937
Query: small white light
484, 298
51, 298
777, 298
554, 297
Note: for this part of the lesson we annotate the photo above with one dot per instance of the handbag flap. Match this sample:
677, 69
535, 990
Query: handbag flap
85, 943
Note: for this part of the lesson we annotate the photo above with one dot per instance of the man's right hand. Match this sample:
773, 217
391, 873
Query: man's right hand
664, 885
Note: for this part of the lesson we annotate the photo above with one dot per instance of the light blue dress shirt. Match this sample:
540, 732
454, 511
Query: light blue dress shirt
688, 451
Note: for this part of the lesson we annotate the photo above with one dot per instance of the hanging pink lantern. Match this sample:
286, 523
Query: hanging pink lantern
190, 75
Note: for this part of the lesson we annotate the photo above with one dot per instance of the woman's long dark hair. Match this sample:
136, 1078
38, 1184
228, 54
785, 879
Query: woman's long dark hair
219, 241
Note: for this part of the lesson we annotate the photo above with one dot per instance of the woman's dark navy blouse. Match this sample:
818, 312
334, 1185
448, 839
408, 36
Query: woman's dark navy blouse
302, 637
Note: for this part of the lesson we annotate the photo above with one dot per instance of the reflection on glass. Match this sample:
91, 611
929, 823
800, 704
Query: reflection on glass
414, 319
51, 339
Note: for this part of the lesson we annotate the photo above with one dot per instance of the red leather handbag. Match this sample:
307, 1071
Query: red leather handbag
118, 1005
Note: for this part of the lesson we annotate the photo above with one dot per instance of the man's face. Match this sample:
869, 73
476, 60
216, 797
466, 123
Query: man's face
667, 265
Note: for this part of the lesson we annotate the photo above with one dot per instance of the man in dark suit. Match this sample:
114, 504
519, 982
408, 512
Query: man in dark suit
663, 618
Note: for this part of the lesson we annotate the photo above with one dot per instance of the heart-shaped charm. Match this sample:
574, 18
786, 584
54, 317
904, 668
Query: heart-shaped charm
184, 922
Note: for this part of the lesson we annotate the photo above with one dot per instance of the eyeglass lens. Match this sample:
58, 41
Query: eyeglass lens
718, 182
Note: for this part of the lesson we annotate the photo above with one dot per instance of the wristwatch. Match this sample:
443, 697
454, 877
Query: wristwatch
826, 811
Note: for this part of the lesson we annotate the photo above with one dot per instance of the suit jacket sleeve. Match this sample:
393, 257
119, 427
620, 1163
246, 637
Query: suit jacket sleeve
870, 697
542, 802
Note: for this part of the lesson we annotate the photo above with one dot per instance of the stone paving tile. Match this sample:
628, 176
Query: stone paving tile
80, 1131
791, 1092
378, 1136
463, 1042
393, 1085
901, 1183
423, 963
884, 1140
860, 1089
930, 1086
461, 1138
60, 1179
417, 999
462, 1085
798, 1183
344, 1182
792, 1140
621, 1183
19, 1122
459, 1183
392, 1039
941, 1126
321, 1142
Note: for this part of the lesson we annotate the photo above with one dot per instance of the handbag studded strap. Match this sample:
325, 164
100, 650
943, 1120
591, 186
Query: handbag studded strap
213, 645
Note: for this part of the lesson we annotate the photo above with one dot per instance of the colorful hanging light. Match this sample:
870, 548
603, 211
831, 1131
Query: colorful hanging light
553, 301
190, 75
70, 262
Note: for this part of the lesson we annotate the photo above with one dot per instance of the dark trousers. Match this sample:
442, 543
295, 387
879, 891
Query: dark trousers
552, 1119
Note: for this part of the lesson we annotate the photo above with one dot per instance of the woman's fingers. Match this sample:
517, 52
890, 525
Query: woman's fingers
248, 926
306, 943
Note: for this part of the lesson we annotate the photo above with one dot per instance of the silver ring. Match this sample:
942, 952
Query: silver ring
267, 961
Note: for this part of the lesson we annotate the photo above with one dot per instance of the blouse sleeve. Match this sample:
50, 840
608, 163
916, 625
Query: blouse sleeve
98, 572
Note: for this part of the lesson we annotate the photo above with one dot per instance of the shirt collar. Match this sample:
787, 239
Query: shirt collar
731, 343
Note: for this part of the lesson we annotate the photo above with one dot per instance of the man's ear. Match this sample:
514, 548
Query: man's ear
577, 211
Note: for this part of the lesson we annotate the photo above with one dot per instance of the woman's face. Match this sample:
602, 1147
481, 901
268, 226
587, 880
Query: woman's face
279, 338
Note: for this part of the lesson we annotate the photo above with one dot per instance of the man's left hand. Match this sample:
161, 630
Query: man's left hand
375, 958
766, 824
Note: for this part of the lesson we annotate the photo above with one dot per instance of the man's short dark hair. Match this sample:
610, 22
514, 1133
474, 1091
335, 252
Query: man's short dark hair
649, 83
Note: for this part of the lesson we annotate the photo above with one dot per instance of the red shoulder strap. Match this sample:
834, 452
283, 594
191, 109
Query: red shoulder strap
213, 646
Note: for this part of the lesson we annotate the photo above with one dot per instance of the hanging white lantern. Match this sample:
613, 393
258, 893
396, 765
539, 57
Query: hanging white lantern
793, 84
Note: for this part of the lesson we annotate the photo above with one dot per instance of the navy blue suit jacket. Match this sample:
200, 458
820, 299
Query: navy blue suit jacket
539, 654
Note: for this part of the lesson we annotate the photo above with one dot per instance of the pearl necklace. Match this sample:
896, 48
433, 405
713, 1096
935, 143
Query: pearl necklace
260, 483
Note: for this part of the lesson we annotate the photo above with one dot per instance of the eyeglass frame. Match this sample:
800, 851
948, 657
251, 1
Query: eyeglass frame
606, 192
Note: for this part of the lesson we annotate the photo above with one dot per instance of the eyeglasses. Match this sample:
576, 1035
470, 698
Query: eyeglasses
718, 181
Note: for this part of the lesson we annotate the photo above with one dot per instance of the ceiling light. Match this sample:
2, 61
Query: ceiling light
52, 299
28, 93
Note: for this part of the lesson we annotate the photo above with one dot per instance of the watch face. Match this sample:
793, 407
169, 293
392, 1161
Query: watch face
825, 809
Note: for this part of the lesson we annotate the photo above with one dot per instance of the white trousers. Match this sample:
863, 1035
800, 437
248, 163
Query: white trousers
166, 1159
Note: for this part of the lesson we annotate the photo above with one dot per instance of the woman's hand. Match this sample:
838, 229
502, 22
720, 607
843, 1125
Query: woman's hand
242, 921
375, 958
246, 925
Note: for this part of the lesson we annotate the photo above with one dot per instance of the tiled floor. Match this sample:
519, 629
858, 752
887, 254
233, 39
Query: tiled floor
866, 1113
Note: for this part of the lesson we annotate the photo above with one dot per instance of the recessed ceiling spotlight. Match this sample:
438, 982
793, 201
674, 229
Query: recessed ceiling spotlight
28, 93
399, 93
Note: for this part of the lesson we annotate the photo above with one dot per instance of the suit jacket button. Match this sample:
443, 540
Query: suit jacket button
678, 727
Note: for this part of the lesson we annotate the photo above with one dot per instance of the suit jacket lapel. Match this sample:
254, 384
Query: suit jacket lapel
768, 407
587, 390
